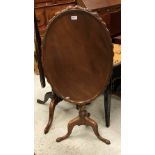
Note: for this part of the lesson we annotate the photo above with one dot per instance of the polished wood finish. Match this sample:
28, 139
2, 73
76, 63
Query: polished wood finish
77, 62
109, 10
46, 9
110, 14
83, 119
80, 68
95, 5
53, 2
53, 103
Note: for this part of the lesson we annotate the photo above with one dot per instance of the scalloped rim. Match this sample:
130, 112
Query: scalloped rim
94, 14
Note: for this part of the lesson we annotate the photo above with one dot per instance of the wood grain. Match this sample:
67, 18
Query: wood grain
77, 56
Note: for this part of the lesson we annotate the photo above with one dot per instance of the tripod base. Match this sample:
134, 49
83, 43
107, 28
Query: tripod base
83, 119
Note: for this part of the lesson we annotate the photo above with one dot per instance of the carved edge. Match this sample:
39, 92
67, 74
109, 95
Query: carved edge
96, 15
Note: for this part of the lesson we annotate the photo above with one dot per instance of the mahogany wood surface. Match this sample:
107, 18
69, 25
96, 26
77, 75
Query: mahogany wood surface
77, 56
46, 9
53, 103
83, 119
109, 11
100, 4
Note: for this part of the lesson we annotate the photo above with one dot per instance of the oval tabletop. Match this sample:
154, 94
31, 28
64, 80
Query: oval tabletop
77, 56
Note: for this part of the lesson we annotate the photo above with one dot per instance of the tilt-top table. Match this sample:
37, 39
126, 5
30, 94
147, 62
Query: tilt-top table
77, 59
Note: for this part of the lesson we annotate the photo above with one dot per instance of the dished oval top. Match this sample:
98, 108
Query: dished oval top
77, 56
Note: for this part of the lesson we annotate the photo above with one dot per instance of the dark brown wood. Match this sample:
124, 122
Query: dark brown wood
38, 52
107, 104
53, 2
114, 87
110, 13
77, 62
83, 119
53, 103
80, 68
46, 9
116, 80
115, 23
48, 95
109, 10
78, 106
117, 39
95, 5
